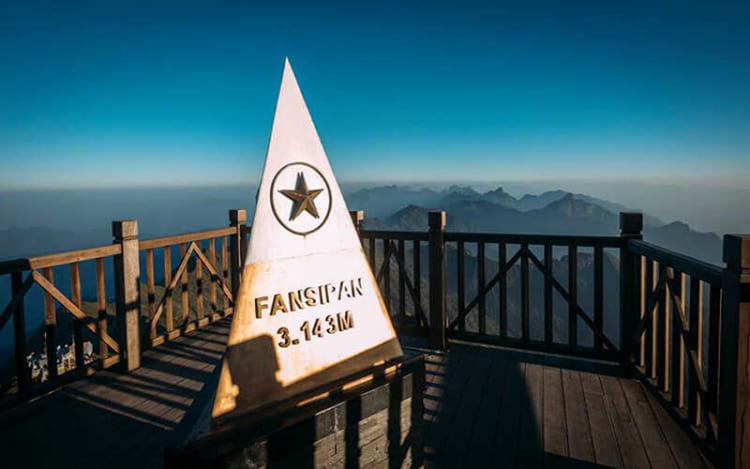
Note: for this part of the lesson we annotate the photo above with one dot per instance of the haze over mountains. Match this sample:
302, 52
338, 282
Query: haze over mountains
33, 223
553, 212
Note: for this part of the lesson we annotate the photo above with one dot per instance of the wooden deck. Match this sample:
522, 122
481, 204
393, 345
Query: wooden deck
484, 407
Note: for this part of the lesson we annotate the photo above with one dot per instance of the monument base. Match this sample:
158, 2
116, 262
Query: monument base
371, 418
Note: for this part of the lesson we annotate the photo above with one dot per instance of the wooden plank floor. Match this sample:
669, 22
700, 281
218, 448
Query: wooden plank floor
485, 407
489, 407
110, 419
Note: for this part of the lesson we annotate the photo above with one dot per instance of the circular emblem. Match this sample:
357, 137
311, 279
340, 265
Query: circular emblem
300, 198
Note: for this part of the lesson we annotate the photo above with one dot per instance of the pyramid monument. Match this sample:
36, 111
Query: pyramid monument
308, 310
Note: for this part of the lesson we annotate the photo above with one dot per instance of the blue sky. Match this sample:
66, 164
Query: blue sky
104, 94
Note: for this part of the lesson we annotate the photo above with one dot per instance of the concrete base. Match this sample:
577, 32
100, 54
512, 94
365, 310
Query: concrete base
373, 418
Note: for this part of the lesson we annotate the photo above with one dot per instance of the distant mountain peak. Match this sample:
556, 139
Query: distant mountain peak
462, 190
571, 206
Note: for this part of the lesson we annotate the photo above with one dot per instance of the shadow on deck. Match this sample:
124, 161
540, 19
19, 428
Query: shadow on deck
483, 407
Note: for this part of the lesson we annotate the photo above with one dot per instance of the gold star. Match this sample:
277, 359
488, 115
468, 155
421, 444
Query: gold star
302, 198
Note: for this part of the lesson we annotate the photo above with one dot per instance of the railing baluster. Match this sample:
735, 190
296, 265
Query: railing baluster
573, 291
212, 283
198, 287
75, 293
150, 282
168, 314
651, 283
502, 291
50, 326
461, 284
372, 255
184, 299
101, 309
645, 291
696, 345
480, 287
678, 343
598, 294
225, 269
662, 339
714, 336
417, 280
401, 284
387, 274
525, 292
19, 336
548, 310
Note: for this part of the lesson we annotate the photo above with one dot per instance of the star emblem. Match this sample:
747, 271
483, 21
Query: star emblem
302, 198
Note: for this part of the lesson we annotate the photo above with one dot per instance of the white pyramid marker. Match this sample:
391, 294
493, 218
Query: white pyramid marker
308, 309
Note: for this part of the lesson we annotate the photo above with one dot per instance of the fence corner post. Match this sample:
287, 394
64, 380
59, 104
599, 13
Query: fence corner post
437, 279
128, 293
358, 216
237, 247
734, 377
631, 227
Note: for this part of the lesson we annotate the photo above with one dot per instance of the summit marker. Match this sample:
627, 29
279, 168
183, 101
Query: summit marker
308, 310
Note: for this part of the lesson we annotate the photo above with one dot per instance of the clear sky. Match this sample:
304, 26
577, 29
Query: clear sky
100, 94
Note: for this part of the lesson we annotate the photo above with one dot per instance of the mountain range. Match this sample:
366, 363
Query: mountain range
553, 212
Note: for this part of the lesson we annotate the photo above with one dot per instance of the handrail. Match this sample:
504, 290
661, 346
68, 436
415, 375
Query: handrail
520, 238
394, 235
696, 268
56, 259
184, 238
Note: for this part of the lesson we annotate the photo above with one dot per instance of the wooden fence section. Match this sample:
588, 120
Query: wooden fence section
40, 271
201, 247
675, 345
525, 252
399, 252
117, 319
683, 325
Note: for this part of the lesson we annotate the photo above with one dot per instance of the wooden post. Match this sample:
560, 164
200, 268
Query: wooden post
75, 290
437, 279
50, 326
358, 216
127, 293
19, 335
631, 227
734, 376
237, 220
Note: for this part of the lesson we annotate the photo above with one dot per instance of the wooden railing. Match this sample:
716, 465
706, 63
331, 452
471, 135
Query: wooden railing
40, 271
690, 341
201, 247
675, 345
121, 313
681, 325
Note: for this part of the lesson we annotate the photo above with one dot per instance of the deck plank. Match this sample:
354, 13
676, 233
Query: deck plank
683, 450
555, 429
531, 445
631, 447
506, 440
485, 428
657, 449
606, 447
457, 443
444, 391
580, 446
